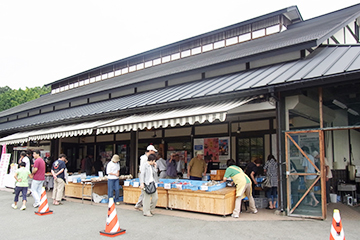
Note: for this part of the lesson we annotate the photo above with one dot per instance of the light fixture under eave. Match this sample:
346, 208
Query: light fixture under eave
339, 104
353, 112
154, 134
238, 129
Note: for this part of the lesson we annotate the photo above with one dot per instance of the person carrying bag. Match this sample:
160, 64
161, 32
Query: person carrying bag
148, 179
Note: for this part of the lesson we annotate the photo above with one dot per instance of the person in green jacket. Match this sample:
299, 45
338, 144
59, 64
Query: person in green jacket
243, 187
21, 185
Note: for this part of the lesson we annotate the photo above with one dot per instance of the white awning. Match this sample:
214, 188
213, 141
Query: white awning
15, 138
85, 128
155, 119
172, 117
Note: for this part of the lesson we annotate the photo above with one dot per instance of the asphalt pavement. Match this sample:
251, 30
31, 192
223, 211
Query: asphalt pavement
74, 220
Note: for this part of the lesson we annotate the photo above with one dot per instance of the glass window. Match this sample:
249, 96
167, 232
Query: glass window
249, 149
122, 151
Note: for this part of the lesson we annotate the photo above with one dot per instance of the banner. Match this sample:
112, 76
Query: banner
3, 149
4, 164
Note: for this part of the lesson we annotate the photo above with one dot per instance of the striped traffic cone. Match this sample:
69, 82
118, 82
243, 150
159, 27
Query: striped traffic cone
44, 206
112, 227
336, 232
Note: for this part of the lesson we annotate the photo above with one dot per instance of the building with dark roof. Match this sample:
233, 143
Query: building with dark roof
251, 85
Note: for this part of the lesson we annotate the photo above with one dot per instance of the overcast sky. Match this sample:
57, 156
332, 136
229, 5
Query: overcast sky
42, 41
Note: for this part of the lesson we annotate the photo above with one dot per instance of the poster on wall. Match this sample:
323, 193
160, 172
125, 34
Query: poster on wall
224, 148
215, 149
211, 149
198, 145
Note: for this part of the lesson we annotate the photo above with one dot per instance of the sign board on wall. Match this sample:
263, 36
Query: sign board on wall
215, 149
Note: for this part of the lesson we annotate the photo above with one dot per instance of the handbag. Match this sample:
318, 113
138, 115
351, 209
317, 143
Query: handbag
266, 183
150, 188
293, 177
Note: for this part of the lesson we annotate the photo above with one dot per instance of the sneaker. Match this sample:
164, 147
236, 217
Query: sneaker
23, 207
117, 203
36, 205
235, 216
148, 215
13, 206
255, 212
138, 206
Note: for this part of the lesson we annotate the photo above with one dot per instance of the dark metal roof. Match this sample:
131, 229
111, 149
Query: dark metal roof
325, 62
302, 35
292, 13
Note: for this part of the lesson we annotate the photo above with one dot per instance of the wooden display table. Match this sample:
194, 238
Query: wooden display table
75, 189
131, 195
219, 202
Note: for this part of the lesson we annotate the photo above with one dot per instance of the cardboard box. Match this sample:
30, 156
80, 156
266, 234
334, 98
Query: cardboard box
217, 175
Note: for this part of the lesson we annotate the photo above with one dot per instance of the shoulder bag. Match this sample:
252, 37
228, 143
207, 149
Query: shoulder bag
150, 188
266, 183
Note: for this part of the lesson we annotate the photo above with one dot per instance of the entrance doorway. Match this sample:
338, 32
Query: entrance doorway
306, 193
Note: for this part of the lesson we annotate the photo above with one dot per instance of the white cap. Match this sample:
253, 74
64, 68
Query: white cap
151, 148
315, 153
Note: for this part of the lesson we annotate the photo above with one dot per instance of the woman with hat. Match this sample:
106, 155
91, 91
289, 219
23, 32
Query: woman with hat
113, 170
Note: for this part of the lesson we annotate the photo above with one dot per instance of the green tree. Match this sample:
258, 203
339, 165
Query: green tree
11, 97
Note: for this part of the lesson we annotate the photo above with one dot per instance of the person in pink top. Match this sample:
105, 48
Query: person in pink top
38, 173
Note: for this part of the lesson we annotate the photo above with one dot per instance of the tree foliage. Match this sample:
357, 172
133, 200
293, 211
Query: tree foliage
11, 97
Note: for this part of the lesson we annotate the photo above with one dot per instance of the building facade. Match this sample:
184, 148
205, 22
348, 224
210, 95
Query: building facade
236, 92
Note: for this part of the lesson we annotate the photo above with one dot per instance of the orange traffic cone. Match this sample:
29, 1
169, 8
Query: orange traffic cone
336, 232
112, 227
44, 206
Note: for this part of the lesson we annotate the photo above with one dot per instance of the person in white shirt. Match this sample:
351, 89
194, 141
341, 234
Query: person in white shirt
309, 179
161, 166
143, 160
328, 174
180, 166
25, 159
113, 171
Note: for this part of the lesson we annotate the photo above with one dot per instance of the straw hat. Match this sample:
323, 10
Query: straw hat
199, 152
115, 158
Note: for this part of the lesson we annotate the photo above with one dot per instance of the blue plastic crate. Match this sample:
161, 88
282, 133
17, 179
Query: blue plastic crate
193, 188
216, 187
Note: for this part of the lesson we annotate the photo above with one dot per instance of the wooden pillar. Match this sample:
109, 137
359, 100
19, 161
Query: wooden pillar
322, 156
133, 153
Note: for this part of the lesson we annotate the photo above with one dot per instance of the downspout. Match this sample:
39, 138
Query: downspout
279, 109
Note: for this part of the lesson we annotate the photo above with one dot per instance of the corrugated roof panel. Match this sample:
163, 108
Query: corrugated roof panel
267, 71
355, 65
248, 78
189, 92
170, 92
214, 84
310, 63
344, 61
180, 91
322, 67
277, 71
227, 86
